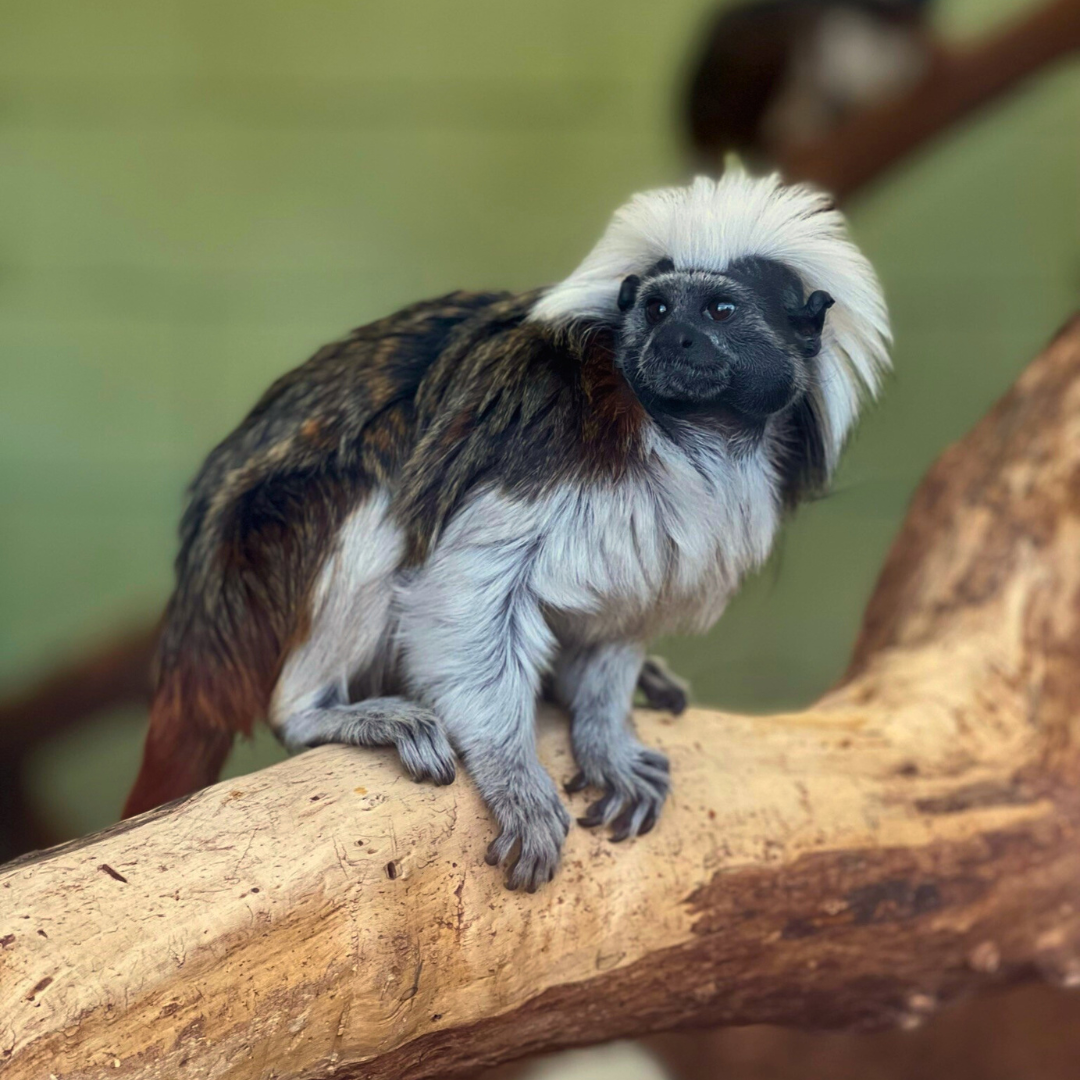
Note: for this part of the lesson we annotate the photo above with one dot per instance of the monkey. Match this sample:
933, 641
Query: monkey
776, 73
490, 496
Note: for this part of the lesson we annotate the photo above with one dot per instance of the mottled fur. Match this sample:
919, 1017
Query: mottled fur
428, 403
262, 517
457, 507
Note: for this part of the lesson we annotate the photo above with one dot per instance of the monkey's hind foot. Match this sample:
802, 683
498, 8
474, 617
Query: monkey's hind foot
414, 731
635, 790
533, 824
661, 688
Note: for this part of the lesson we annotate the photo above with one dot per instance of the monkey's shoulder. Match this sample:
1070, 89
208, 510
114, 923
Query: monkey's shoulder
269, 500
519, 406
378, 362
427, 404
349, 408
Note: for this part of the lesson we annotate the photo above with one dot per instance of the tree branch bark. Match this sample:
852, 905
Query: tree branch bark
961, 81
116, 674
906, 840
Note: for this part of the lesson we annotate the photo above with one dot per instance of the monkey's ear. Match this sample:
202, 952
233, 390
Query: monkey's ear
809, 320
628, 292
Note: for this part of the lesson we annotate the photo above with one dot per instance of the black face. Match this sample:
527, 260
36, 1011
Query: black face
743, 340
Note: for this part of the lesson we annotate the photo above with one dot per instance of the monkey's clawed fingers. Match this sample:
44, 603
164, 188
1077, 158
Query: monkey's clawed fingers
635, 794
661, 688
426, 753
577, 783
530, 843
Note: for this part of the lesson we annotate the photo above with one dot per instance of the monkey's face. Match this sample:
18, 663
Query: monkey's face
742, 341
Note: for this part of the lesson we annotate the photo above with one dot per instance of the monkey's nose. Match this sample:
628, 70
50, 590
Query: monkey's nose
680, 343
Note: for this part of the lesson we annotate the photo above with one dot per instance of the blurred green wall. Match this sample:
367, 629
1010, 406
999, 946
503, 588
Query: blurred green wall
194, 195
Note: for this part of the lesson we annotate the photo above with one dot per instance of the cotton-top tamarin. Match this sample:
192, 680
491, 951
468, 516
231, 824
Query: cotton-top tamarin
482, 495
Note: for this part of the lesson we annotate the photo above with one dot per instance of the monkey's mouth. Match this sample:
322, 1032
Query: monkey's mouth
687, 380
718, 390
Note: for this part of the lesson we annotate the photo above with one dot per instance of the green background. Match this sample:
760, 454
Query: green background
194, 195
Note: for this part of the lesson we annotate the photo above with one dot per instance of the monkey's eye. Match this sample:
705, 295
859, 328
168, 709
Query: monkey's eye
720, 310
656, 309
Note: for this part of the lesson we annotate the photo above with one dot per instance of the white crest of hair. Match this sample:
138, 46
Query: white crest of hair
712, 224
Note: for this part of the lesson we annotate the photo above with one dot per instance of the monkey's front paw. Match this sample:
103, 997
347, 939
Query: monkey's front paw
635, 792
533, 824
661, 688
425, 750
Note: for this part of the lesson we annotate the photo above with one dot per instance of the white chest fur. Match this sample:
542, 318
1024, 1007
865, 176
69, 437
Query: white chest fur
661, 550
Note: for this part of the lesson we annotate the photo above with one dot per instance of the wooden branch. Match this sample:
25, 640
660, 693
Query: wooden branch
908, 839
961, 81
1029, 1031
115, 674
861, 146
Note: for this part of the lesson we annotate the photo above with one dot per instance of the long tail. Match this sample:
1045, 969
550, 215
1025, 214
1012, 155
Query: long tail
184, 751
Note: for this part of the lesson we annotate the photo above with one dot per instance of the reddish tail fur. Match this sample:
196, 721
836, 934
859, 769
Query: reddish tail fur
184, 751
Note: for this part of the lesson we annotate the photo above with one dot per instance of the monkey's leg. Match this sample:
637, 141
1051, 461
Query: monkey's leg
475, 642
413, 730
661, 688
596, 684
491, 719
